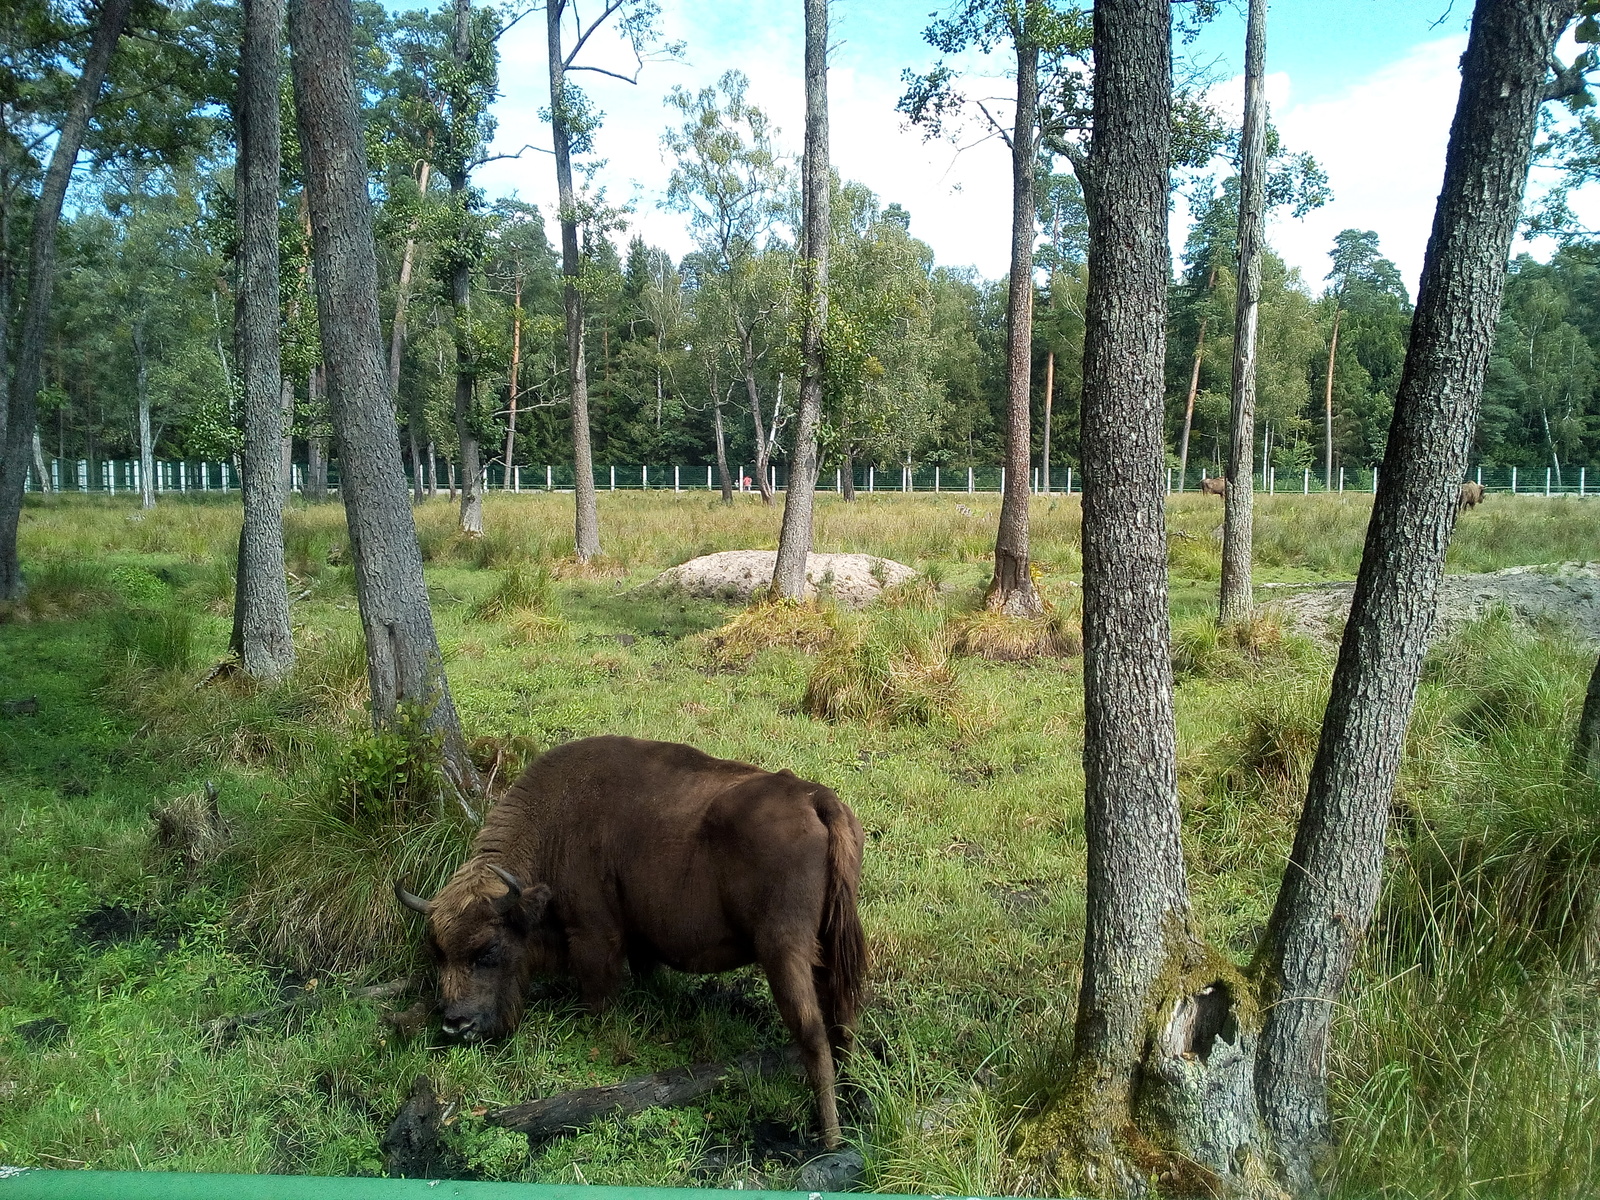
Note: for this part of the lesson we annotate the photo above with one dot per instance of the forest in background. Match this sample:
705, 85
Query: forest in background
145, 311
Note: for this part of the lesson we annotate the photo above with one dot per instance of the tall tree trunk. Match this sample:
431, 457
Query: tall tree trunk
747, 360
262, 639
471, 519
1586, 748
587, 522
1148, 1075
1011, 589
516, 372
402, 295
1049, 406
794, 542
316, 482
1236, 599
23, 411
1327, 407
403, 660
286, 443
848, 473
39, 472
433, 471
1188, 406
1330, 887
147, 447
722, 442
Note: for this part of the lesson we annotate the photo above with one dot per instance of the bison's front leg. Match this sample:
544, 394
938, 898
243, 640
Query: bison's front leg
789, 975
596, 958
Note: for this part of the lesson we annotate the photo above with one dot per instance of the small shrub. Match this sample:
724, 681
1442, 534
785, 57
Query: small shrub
767, 624
391, 775
519, 590
893, 669
160, 639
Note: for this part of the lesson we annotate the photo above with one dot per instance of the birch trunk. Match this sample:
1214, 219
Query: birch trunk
1049, 405
1327, 408
471, 518
147, 448
516, 371
722, 442
794, 542
403, 660
1331, 885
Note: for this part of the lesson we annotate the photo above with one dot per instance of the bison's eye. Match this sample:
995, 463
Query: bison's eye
487, 957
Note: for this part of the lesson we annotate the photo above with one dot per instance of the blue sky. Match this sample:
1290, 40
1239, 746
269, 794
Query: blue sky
1368, 86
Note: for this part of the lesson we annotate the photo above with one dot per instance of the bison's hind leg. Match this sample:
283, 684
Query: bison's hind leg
841, 1034
790, 973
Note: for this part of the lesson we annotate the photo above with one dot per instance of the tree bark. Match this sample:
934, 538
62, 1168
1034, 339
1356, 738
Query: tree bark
848, 473
262, 639
471, 519
316, 483
1011, 589
1188, 407
1327, 408
147, 448
402, 296
1049, 406
1236, 600
1586, 749
516, 370
23, 409
794, 541
722, 442
587, 522
403, 660
1330, 887
286, 443
747, 360
39, 472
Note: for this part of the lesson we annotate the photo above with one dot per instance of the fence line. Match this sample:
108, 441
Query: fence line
118, 476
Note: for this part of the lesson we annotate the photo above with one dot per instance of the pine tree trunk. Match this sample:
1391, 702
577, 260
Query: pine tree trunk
1236, 600
1011, 589
1327, 408
22, 411
1586, 749
794, 542
1188, 407
1331, 885
587, 522
262, 639
403, 660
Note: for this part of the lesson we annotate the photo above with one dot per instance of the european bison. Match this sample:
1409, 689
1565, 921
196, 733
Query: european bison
612, 849
1216, 486
1471, 496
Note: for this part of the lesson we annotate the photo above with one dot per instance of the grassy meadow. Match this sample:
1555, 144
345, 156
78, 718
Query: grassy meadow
1465, 1056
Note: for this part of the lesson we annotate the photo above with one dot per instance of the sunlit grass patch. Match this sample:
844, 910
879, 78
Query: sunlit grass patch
1001, 638
895, 668
767, 623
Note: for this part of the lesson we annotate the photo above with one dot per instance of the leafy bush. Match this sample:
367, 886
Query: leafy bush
391, 775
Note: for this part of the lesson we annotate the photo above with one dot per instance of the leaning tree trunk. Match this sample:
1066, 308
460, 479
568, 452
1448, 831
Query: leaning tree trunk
262, 639
471, 519
1330, 887
747, 360
1160, 1078
1327, 406
23, 409
403, 661
848, 474
147, 446
587, 524
1586, 749
1011, 590
794, 542
1236, 600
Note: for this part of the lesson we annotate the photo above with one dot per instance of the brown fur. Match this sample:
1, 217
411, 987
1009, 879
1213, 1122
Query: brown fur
1471, 496
654, 853
1215, 486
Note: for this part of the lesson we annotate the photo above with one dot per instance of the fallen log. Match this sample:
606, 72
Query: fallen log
224, 1026
670, 1089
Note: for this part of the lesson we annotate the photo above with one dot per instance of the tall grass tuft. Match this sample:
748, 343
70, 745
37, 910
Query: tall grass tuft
160, 639
766, 624
519, 590
999, 638
892, 668
58, 588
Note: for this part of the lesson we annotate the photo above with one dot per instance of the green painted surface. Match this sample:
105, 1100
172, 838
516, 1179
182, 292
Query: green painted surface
171, 1185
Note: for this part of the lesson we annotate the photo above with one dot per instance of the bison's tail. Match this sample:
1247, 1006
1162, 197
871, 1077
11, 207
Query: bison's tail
843, 971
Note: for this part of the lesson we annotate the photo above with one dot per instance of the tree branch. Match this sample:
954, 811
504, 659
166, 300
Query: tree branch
603, 71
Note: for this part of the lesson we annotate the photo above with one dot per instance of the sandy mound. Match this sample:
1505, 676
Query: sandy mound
1567, 592
851, 579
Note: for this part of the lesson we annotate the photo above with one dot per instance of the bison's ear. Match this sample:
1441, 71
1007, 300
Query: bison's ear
534, 902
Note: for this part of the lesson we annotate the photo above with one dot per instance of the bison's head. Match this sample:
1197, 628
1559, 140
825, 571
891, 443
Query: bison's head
486, 936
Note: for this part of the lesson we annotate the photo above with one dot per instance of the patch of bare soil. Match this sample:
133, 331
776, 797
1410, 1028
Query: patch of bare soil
1567, 592
854, 580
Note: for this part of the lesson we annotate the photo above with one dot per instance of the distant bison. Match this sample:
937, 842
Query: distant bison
613, 849
1471, 496
1217, 486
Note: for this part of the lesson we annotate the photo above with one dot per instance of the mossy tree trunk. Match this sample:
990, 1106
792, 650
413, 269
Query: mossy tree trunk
794, 542
403, 661
1162, 1064
1011, 589
1331, 885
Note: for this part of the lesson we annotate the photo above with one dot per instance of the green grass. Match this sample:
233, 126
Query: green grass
1453, 1079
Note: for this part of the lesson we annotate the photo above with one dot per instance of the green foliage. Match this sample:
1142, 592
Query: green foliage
891, 667
520, 589
391, 776
161, 639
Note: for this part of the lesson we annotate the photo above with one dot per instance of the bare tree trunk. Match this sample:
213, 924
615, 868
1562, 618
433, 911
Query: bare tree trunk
747, 360
516, 371
1049, 405
419, 474
42, 475
1011, 589
722, 442
1327, 408
262, 639
22, 411
794, 542
316, 481
403, 660
147, 448
848, 473
587, 523
1188, 407
471, 519
402, 297
1330, 887
433, 471
286, 444
1586, 749
1236, 599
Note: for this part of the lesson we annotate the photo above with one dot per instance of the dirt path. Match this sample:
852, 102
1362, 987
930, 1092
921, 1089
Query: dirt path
1568, 592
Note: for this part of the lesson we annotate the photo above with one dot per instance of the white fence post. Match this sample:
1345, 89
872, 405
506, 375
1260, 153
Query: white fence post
838, 480
872, 479
613, 479
1582, 473
549, 479
1341, 481
83, 475
644, 477
1547, 483
772, 478
1272, 481
969, 480
1480, 476
1374, 480
1513, 481
936, 477
675, 484
1002, 481
516, 478
1308, 481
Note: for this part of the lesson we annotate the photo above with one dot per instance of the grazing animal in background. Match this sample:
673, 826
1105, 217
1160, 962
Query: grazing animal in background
1215, 486
612, 850
1471, 496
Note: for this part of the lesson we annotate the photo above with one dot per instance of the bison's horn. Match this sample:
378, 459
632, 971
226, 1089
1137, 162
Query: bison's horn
412, 901
508, 879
